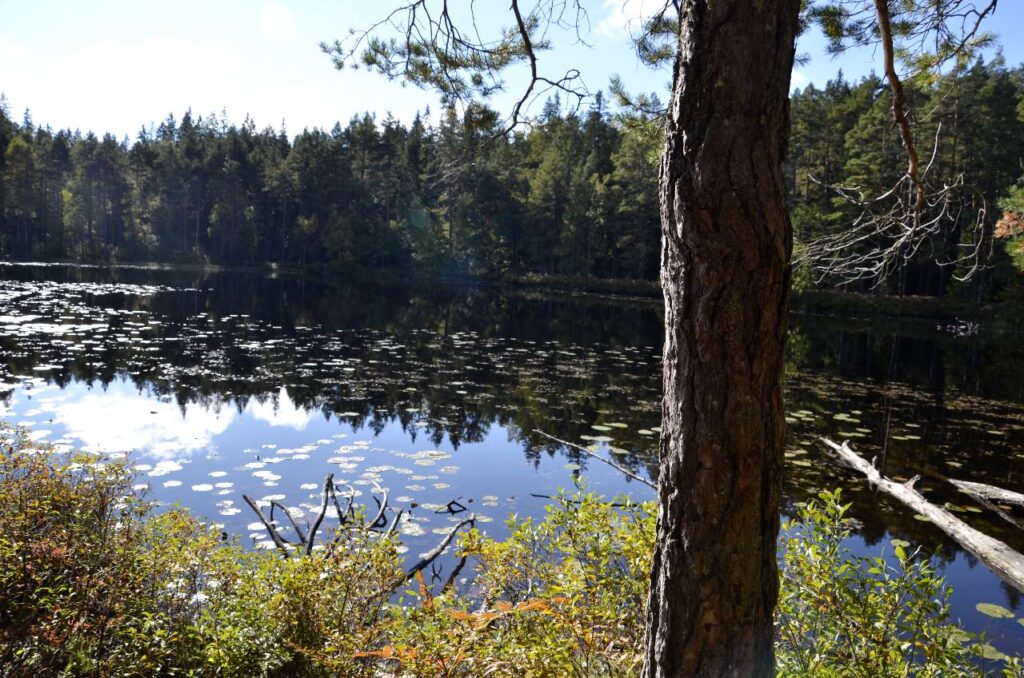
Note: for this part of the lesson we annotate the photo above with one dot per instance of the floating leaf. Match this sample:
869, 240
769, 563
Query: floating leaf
993, 610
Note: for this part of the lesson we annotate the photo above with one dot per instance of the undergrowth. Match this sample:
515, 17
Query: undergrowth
94, 583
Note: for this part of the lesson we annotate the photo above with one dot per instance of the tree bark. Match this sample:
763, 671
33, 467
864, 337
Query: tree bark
726, 245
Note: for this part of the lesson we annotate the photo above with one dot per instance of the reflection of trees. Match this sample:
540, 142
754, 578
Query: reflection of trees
525, 362
244, 348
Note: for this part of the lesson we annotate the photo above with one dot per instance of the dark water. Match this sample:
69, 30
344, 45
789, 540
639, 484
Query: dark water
220, 384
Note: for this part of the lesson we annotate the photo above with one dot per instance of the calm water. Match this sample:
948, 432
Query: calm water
219, 384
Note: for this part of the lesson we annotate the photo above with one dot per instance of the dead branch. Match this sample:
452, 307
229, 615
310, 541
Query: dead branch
452, 507
617, 467
999, 557
291, 519
450, 583
394, 524
278, 542
987, 495
577, 501
328, 485
337, 507
379, 520
441, 547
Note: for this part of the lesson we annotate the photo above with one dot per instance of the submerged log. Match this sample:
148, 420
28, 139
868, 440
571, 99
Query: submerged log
999, 557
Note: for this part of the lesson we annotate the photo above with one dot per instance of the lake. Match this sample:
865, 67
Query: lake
219, 384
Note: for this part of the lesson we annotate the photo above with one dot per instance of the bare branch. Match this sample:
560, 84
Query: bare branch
328, 489
617, 467
441, 547
278, 542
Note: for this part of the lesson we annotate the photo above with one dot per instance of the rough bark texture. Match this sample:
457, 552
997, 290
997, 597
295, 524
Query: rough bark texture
726, 244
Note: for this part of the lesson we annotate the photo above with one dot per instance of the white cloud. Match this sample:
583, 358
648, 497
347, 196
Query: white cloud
625, 17
123, 421
283, 413
798, 79
277, 23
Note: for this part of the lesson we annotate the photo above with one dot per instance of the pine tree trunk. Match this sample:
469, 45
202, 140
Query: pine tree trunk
726, 244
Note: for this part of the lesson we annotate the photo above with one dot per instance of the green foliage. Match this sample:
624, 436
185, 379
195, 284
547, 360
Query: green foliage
845, 615
968, 130
563, 596
1010, 227
93, 583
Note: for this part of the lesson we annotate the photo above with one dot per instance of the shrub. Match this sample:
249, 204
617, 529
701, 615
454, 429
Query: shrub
93, 583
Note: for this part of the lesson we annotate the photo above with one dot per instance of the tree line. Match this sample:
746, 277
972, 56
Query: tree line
846, 155
574, 195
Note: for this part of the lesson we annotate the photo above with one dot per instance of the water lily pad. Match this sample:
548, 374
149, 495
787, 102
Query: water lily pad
993, 610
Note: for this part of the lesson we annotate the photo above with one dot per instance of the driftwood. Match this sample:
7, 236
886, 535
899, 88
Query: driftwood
990, 492
987, 495
618, 467
1003, 560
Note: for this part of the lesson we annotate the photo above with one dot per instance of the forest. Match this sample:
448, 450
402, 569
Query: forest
574, 195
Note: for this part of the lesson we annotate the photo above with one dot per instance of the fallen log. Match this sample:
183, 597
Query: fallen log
990, 492
1000, 558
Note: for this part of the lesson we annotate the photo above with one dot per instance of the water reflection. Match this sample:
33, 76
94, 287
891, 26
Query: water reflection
227, 383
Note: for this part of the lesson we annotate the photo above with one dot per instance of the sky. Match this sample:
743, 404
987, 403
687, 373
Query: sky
119, 65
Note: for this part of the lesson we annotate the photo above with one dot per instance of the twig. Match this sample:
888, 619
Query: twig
328, 483
295, 525
281, 546
432, 555
617, 467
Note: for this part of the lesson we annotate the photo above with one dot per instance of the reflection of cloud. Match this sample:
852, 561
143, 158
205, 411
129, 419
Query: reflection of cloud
120, 422
283, 413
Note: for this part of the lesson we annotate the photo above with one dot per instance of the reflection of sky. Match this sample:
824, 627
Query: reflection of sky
283, 412
121, 419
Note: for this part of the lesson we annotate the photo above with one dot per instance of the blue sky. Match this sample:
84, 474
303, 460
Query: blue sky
115, 65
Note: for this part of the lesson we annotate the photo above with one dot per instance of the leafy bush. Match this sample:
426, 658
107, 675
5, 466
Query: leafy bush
92, 583
845, 615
